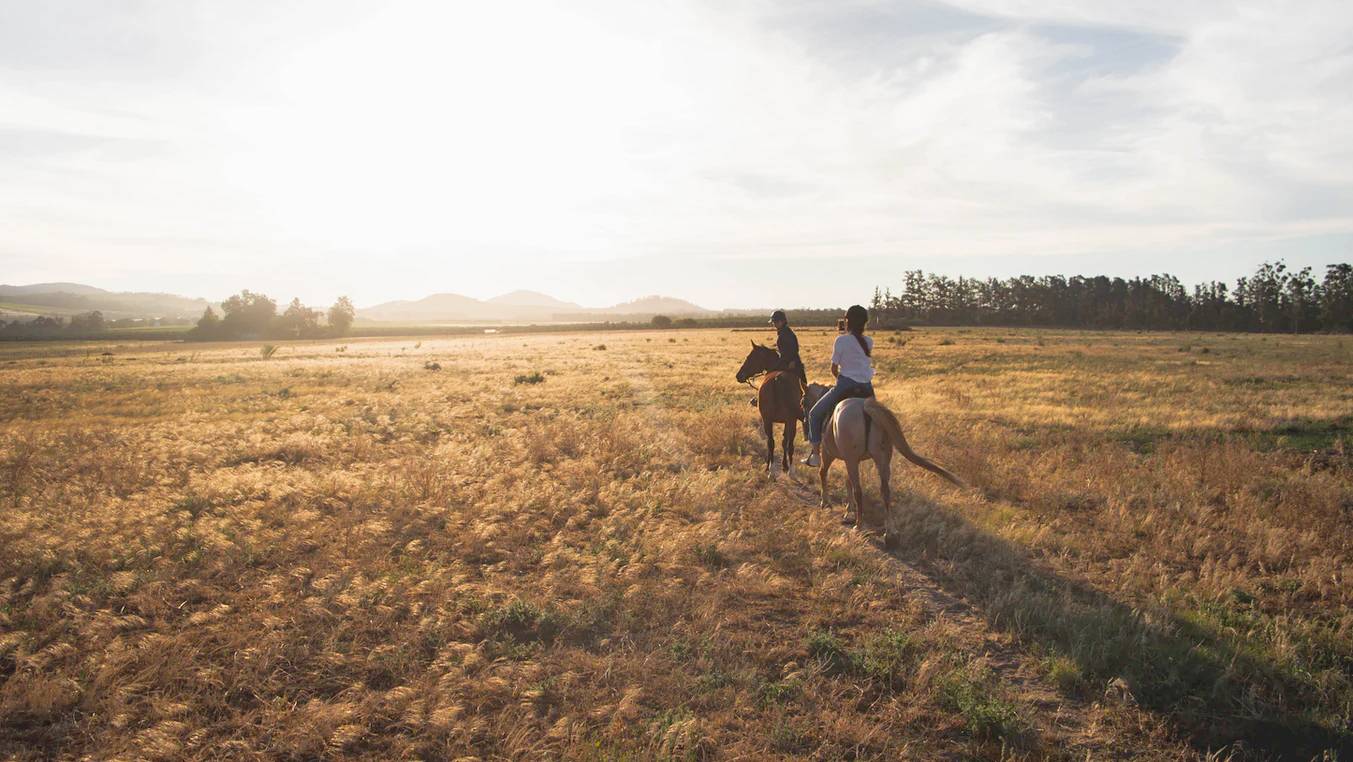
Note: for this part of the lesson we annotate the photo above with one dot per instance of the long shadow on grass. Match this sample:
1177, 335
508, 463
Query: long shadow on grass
1210, 692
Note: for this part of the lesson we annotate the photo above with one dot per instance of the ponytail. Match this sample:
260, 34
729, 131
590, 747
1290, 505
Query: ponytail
864, 345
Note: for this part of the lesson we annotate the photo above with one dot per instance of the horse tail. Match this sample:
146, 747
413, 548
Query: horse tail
875, 409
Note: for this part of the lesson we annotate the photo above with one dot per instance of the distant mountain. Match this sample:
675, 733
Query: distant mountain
49, 288
658, 305
533, 299
435, 308
71, 298
27, 301
521, 306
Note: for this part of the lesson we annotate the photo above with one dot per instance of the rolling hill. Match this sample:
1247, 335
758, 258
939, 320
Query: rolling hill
533, 299
65, 299
72, 298
523, 306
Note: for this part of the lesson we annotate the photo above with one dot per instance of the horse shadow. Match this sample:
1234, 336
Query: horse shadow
1205, 689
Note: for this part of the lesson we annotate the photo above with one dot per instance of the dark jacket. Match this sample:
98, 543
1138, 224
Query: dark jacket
787, 344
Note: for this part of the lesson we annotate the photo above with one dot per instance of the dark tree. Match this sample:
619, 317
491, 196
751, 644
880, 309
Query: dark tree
1336, 298
1272, 299
208, 326
86, 323
298, 322
247, 315
341, 315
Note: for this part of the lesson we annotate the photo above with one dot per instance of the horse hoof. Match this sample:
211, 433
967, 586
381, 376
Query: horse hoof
890, 541
848, 520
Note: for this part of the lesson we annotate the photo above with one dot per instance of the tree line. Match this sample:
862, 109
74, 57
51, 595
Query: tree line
1273, 299
249, 315
82, 326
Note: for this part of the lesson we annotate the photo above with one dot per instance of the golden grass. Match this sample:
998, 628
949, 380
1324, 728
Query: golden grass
319, 554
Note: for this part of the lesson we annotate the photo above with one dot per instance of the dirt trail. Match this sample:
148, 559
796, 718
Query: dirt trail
1068, 727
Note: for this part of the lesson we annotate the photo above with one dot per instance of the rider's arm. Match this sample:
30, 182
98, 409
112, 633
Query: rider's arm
836, 370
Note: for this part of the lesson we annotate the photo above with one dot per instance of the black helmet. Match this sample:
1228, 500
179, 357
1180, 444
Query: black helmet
778, 315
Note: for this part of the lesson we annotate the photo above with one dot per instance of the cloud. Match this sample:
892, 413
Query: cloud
474, 148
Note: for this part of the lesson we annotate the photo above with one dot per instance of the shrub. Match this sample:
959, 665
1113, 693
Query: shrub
829, 652
970, 692
1066, 675
529, 378
709, 555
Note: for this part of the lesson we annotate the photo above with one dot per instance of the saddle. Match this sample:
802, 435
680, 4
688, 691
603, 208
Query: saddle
860, 393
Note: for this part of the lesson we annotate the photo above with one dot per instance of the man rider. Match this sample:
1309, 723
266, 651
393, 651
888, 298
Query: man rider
787, 344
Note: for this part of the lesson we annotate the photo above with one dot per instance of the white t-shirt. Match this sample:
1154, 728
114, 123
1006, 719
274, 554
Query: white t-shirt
851, 360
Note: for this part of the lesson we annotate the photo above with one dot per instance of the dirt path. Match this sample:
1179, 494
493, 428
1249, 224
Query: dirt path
1090, 727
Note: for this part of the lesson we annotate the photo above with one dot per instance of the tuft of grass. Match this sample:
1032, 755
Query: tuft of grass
779, 692
788, 739
533, 377
828, 651
889, 658
267, 350
522, 621
709, 556
972, 693
1067, 675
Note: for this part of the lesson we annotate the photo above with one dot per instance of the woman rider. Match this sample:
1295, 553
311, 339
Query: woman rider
854, 373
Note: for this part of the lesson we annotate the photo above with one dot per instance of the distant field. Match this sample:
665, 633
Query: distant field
562, 545
15, 310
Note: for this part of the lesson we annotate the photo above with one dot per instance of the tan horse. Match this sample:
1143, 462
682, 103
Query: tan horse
778, 399
860, 429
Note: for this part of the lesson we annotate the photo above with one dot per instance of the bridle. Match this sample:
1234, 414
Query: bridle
758, 374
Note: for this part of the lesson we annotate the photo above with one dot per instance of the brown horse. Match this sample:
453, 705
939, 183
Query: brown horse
860, 429
779, 399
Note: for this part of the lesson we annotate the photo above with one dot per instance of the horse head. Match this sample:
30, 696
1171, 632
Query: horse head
759, 360
812, 394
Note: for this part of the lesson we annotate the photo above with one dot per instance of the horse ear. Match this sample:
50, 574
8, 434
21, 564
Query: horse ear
753, 343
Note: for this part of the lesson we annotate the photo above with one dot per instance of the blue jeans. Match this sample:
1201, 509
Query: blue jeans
817, 417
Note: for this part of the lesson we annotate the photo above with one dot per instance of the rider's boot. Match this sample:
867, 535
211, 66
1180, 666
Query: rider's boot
813, 458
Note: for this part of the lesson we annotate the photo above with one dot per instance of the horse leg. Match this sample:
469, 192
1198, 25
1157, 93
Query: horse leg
770, 446
822, 472
787, 457
856, 502
883, 460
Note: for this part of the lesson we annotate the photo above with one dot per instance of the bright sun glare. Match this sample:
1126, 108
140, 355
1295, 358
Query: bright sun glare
407, 127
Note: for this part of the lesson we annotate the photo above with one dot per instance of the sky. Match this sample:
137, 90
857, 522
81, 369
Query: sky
734, 153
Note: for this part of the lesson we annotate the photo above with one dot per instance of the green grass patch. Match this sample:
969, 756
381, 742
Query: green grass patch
1067, 675
972, 692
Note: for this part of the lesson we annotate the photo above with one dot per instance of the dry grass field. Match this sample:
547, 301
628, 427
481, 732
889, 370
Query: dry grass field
564, 546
